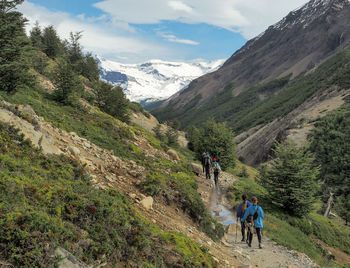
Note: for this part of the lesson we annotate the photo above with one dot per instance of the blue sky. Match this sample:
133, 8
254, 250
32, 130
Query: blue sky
133, 31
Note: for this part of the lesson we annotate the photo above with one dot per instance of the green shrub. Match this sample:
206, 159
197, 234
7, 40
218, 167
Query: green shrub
47, 202
178, 186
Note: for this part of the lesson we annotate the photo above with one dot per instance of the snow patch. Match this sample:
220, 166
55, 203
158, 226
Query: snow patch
154, 80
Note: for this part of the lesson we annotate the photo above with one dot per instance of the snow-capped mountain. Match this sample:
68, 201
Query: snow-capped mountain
154, 80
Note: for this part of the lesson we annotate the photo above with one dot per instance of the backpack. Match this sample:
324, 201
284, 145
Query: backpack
249, 219
217, 167
207, 160
256, 214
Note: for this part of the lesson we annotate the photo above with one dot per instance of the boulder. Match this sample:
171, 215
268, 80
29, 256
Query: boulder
68, 261
196, 168
231, 228
74, 150
173, 155
147, 202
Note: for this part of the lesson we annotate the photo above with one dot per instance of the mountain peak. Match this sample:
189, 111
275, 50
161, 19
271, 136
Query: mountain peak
312, 10
154, 80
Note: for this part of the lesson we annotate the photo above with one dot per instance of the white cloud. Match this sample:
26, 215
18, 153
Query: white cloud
173, 38
179, 6
250, 17
99, 36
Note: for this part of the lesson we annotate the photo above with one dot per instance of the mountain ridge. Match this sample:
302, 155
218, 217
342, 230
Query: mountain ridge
154, 80
283, 48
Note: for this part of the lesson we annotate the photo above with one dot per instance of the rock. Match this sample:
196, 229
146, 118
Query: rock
69, 261
74, 150
292, 266
244, 266
27, 109
173, 155
87, 145
209, 243
133, 196
237, 252
196, 168
147, 202
225, 243
110, 178
226, 262
231, 229
215, 259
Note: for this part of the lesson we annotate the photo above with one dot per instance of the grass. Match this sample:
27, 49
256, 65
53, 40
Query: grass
100, 128
177, 186
47, 202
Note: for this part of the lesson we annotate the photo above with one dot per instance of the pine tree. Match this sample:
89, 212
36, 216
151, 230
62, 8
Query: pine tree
13, 46
75, 53
290, 179
90, 68
217, 139
52, 45
35, 36
112, 100
67, 83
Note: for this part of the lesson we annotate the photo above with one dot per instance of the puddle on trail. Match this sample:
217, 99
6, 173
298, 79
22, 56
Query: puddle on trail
219, 211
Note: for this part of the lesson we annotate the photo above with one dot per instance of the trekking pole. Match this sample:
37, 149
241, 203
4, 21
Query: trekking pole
236, 230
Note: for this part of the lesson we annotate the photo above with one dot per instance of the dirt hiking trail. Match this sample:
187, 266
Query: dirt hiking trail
271, 255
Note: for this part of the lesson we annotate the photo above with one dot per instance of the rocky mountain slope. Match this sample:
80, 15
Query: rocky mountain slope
270, 77
154, 80
299, 42
110, 172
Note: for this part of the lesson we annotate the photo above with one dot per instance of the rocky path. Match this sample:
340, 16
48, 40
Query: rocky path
271, 256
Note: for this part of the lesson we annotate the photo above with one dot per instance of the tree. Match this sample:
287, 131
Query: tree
13, 46
290, 179
52, 45
112, 100
215, 138
67, 83
75, 53
330, 141
172, 136
35, 36
90, 68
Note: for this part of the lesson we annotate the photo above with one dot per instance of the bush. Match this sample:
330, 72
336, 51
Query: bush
67, 83
330, 141
217, 139
112, 100
290, 179
179, 187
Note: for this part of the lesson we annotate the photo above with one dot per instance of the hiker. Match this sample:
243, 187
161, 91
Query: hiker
207, 164
240, 213
257, 215
203, 161
216, 168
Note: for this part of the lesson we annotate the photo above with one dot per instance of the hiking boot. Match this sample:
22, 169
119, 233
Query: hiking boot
249, 245
260, 245
243, 239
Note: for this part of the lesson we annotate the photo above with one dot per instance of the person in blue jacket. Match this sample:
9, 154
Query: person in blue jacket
257, 213
240, 213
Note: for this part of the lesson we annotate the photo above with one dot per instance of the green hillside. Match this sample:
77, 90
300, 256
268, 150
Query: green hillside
263, 103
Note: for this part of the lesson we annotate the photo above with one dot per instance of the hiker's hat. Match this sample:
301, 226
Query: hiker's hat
214, 159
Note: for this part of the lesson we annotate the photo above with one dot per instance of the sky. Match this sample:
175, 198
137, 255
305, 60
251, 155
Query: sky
134, 31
